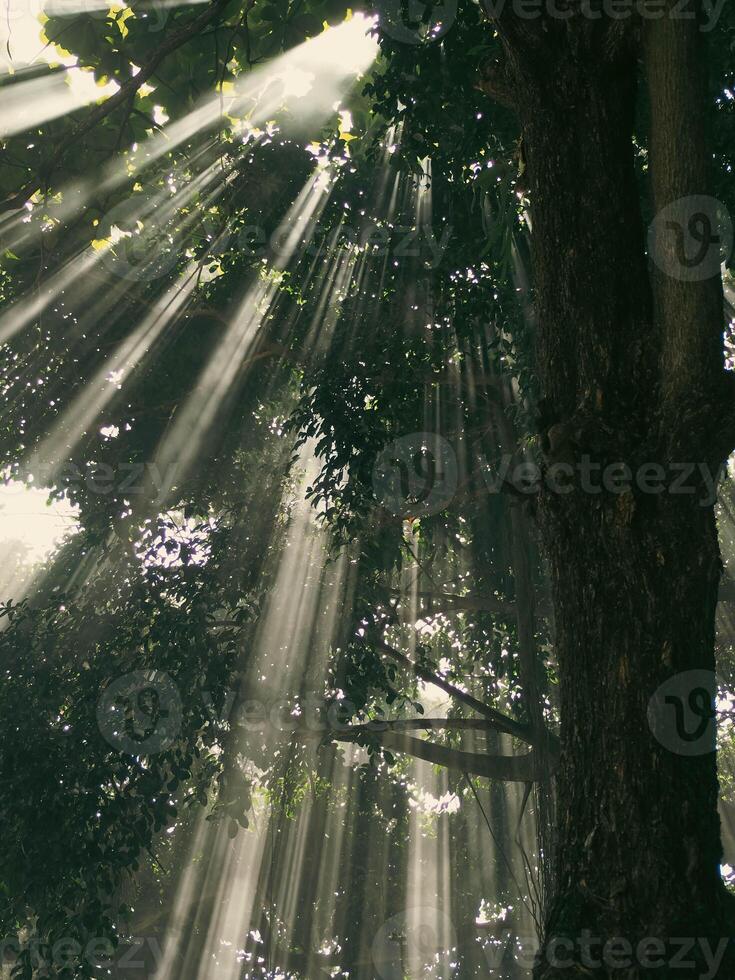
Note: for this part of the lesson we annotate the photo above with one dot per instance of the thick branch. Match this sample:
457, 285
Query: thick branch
510, 768
424, 724
501, 722
382, 726
392, 736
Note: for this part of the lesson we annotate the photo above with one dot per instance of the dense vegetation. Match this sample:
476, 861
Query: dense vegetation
302, 362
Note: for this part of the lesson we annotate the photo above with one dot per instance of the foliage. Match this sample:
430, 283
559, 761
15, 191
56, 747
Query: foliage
422, 339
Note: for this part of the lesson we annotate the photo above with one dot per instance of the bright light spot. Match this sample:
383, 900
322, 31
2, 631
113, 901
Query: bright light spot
185, 538
26, 519
324, 68
159, 115
21, 41
349, 48
20, 34
296, 82
426, 802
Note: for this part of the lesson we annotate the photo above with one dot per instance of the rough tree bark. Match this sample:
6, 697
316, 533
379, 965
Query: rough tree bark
631, 371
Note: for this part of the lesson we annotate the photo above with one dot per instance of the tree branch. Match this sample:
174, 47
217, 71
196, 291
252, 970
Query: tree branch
124, 94
500, 721
392, 735
509, 768
424, 724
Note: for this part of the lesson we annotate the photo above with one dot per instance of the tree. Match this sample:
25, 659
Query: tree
633, 371
614, 360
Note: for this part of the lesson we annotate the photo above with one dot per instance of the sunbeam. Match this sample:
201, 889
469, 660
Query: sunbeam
224, 896
193, 422
97, 392
27, 104
239, 549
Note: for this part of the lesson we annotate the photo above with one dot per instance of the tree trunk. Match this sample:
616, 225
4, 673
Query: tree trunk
638, 845
635, 572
